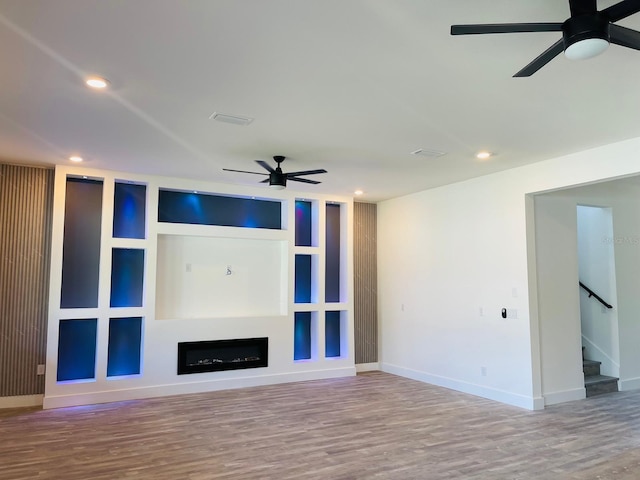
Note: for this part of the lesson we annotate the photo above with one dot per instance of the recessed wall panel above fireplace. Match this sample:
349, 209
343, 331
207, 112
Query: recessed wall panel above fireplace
210, 277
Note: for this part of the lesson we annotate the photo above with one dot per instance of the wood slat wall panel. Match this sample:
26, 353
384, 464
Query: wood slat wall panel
26, 203
365, 282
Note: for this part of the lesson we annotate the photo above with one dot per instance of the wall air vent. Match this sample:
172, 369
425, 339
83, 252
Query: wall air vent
233, 119
425, 152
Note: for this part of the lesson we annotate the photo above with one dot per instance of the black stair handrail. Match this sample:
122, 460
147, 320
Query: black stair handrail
595, 295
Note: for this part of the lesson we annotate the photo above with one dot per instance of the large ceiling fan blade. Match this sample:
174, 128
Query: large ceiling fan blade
244, 171
266, 180
303, 180
265, 165
624, 36
505, 28
544, 58
621, 10
582, 7
305, 172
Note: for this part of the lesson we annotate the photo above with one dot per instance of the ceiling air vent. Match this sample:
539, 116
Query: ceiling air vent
233, 119
425, 152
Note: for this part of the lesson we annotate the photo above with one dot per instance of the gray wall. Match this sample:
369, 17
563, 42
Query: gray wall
26, 202
365, 282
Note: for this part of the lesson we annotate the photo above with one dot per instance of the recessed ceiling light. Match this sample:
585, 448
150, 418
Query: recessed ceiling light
98, 83
484, 155
358, 192
75, 158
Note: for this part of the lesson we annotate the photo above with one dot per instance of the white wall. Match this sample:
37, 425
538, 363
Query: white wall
268, 317
622, 197
212, 277
626, 227
596, 262
450, 258
558, 299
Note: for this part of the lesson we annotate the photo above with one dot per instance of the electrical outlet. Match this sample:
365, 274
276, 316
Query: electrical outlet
40, 370
481, 312
483, 371
188, 267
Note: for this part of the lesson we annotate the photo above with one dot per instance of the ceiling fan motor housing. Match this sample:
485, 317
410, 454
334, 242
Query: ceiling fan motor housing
584, 27
277, 179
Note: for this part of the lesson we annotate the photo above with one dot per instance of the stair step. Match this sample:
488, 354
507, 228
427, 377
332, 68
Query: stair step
598, 384
591, 367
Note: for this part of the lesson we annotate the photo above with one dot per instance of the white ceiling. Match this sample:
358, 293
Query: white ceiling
352, 86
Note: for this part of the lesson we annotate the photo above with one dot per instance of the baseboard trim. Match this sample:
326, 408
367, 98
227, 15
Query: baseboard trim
629, 384
60, 401
555, 398
19, 401
510, 398
367, 367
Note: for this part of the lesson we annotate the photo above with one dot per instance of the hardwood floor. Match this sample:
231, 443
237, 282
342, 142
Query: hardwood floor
375, 425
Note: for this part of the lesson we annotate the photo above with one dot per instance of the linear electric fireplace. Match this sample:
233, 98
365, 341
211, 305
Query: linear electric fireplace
217, 355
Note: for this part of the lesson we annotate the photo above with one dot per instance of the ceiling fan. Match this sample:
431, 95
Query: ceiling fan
277, 178
585, 34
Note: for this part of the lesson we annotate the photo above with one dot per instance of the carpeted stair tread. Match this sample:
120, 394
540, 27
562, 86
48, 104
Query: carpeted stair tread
591, 367
588, 363
592, 379
599, 384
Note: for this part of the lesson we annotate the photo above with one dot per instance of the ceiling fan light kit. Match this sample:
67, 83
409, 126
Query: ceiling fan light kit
585, 34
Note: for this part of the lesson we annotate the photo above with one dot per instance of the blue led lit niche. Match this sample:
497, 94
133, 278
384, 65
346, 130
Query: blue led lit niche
129, 210
81, 247
332, 334
202, 209
332, 273
125, 341
302, 286
303, 223
302, 336
127, 277
77, 349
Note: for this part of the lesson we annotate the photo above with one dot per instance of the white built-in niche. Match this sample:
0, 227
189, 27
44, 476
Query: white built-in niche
214, 277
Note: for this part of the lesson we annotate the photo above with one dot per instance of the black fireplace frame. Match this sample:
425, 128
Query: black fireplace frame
261, 343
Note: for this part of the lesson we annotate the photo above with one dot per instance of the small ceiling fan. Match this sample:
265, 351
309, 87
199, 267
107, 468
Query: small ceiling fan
585, 34
277, 178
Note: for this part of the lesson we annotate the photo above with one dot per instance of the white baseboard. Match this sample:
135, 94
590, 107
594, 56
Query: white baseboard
510, 398
21, 401
60, 401
367, 367
565, 396
629, 384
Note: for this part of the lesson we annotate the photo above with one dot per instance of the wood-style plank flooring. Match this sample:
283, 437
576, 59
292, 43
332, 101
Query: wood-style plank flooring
375, 425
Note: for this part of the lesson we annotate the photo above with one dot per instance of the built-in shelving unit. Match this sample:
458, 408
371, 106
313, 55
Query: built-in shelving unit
141, 264
320, 340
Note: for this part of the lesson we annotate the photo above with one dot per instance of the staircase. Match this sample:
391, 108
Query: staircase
595, 383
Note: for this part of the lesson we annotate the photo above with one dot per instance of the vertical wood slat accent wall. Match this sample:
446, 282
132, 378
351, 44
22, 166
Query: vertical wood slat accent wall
365, 282
26, 207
